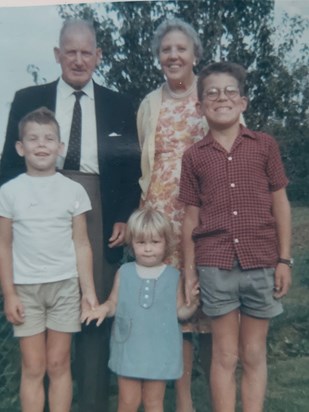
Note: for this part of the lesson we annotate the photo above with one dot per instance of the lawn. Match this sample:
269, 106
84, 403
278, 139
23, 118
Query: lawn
288, 346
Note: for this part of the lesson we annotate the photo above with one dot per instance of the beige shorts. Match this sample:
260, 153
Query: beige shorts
54, 305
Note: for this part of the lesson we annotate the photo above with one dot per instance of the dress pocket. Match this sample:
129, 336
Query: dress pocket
121, 328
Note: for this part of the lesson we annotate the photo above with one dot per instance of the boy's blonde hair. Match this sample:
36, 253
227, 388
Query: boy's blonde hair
147, 222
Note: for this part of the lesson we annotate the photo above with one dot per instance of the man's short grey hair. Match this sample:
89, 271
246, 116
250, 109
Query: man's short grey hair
87, 24
176, 24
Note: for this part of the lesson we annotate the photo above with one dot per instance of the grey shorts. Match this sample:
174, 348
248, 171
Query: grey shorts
250, 291
54, 305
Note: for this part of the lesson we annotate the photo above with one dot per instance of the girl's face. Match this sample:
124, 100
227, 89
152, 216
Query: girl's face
149, 251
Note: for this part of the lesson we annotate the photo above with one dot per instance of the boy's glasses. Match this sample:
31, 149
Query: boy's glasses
214, 93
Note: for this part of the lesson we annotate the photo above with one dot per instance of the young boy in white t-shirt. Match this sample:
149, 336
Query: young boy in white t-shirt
45, 255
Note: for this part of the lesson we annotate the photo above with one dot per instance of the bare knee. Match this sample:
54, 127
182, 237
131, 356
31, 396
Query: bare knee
57, 367
252, 355
151, 403
226, 360
33, 370
129, 403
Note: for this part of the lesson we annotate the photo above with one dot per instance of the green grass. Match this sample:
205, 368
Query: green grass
288, 347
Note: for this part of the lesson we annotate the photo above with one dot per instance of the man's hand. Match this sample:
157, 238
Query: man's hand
118, 235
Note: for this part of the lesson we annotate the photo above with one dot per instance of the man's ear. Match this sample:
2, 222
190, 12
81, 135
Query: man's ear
56, 53
99, 55
19, 148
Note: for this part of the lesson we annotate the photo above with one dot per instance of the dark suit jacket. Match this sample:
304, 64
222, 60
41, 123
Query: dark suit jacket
119, 157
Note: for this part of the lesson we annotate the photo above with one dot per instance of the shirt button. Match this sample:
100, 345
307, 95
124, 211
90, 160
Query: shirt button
146, 288
235, 213
232, 184
236, 240
146, 296
229, 158
147, 281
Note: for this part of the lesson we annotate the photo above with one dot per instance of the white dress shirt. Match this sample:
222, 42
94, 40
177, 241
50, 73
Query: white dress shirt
64, 110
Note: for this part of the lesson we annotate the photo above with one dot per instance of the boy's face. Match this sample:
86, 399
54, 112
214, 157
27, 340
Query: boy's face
40, 145
222, 104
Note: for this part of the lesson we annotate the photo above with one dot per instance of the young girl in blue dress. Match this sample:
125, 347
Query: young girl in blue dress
146, 300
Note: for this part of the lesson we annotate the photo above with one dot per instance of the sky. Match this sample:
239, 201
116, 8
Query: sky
29, 31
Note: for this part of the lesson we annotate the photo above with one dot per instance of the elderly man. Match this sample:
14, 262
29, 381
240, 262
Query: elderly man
98, 128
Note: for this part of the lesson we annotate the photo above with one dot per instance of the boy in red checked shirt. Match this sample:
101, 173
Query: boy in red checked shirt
236, 235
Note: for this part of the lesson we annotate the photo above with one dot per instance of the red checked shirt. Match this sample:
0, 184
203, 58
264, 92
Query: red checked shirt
233, 191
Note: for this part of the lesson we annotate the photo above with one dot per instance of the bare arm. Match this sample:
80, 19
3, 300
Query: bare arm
107, 309
282, 215
190, 221
12, 305
84, 261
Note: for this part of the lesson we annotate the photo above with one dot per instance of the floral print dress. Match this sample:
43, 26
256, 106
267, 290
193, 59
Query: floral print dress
179, 126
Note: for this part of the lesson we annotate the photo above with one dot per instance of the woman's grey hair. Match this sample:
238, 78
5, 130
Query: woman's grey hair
176, 24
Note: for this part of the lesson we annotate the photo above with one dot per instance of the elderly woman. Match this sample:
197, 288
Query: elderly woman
168, 124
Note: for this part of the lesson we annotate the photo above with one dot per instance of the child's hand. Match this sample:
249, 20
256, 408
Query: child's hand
14, 309
195, 295
99, 313
283, 280
89, 302
191, 285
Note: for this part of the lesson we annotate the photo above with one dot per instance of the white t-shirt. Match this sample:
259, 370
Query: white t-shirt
42, 210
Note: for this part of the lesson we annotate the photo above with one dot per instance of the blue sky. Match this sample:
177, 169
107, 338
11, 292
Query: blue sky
29, 33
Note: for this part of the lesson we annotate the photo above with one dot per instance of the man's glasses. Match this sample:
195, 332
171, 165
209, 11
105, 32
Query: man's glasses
214, 93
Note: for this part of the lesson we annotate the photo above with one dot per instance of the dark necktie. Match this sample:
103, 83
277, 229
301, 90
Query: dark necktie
72, 160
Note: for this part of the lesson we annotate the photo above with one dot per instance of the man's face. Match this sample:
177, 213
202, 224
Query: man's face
77, 55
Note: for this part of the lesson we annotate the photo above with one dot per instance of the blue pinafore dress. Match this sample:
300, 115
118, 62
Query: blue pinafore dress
146, 339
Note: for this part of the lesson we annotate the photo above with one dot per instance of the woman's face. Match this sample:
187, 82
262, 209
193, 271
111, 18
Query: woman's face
176, 56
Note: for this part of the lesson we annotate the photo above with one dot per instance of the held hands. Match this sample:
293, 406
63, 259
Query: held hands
283, 280
14, 309
118, 235
194, 296
99, 313
89, 302
191, 289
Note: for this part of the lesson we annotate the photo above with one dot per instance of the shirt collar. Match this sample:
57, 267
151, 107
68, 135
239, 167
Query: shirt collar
66, 90
243, 132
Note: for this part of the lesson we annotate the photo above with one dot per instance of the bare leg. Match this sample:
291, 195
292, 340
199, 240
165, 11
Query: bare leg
33, 370
183, 385
253, 333
153, 396
129, 394
225, 331
59, 371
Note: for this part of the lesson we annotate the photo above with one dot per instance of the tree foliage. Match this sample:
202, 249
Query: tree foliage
242, 31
